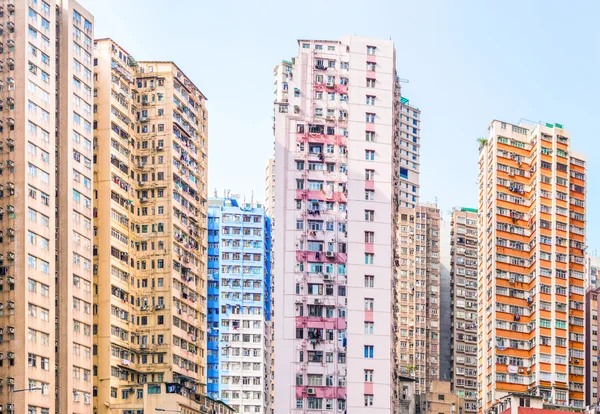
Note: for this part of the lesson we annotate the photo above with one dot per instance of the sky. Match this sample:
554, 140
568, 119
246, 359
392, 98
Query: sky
467, 62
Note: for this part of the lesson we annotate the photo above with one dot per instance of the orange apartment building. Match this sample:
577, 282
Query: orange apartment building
531, 265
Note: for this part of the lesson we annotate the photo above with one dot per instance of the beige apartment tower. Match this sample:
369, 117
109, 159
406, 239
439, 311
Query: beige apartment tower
463, 306
417, 265
150, 249
45, 207
531, 265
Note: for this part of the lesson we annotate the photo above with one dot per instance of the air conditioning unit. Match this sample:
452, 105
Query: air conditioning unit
11, 329
143, 307
330, 254
310, 391
330, 84
143, 346
317, 301
326, 277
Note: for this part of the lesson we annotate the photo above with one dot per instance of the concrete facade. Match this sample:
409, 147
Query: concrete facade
418, 294
239, 305
150, 242
441, 399
445, 302
46, 207
592, 269
531, 227
336, 163
409, 152
464, 306
591, 347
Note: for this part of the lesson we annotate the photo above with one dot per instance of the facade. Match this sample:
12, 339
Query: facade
239, 307
592, 268
516, 403
445, 302
591, 347
406, 395
441, 399
150, 247
531, 265
337, 164
463, 315
269, 211
409, 152
418, 286
45, 207
270, 188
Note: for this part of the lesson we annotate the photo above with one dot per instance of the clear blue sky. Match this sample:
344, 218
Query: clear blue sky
468, 62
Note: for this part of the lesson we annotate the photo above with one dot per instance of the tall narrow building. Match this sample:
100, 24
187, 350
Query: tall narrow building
591, 347
417, 263
46, 207
150, 244
531, 264
592, 269
269, 211
239, 305
463, 312
337, 168
409, 153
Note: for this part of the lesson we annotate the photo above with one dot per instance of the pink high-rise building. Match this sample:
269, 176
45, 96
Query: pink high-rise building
337, 163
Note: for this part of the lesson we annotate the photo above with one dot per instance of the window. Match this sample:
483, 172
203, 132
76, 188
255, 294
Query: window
369, 195
370, 117
369, 257
369, 328
369, 237
368, 375
369, 175
370, 100
370, 83
371, 50
369, 281
368, 351
370, 136
369, 155
369, 215
368, 400
369, 304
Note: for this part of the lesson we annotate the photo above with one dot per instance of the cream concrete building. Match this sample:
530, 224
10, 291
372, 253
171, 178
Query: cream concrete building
45, 207
463, 314
440, 399
150, 245
417, 264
